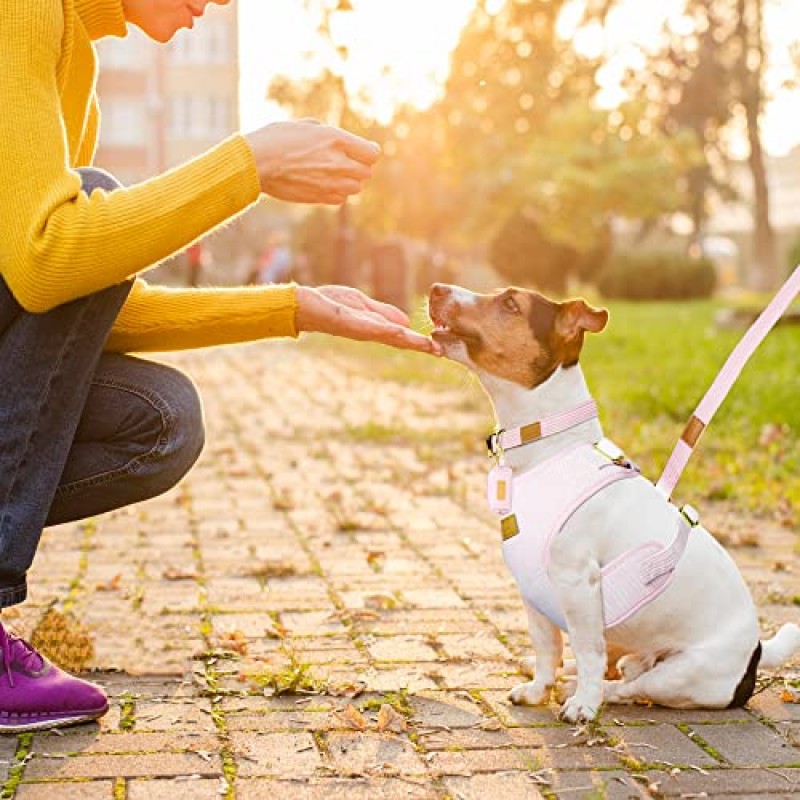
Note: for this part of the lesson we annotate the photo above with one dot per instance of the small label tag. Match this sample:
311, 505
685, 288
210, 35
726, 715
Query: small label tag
498, 489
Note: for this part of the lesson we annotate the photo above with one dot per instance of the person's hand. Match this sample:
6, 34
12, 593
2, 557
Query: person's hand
342, 311
305, 162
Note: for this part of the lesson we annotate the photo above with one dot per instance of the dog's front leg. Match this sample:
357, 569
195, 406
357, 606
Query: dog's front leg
576, 579
548, 646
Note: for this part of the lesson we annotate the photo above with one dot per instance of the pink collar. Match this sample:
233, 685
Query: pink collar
503, 439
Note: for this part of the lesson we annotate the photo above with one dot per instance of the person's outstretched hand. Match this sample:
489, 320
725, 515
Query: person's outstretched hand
342, 311
303, 161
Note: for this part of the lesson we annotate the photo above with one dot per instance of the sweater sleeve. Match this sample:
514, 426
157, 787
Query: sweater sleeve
57, 243
158, 318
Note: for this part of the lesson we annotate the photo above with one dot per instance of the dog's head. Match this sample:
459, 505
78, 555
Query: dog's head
514, 334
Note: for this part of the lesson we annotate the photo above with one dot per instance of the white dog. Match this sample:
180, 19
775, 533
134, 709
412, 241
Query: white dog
695, 642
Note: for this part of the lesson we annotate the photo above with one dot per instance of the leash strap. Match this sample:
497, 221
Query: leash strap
722, 383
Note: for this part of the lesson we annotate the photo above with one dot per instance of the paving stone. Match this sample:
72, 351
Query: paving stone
502, 784
742, 782
182, 788
279, 754
84, 744
750, 744
82, 790
459, 646
126, 766
357, 752
446, 709
652, 743
512, 715
468, 762
336, 789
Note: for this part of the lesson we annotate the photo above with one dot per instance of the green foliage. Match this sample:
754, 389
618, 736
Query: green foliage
657, 276
523, 255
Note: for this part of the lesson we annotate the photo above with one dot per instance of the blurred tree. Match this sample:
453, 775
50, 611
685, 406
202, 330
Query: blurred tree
708, 76
527, 142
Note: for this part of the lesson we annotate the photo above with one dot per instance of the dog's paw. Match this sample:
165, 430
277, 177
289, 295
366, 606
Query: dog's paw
579, 709
633, 666
617, 693
529, 694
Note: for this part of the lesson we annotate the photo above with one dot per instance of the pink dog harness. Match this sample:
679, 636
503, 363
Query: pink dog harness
543, 499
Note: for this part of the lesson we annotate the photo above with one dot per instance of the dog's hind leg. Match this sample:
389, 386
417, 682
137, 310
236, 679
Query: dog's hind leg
683, 680
548, 646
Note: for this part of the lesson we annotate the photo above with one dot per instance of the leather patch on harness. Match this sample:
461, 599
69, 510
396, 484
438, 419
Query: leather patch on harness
692, 431
509, 526
530, 433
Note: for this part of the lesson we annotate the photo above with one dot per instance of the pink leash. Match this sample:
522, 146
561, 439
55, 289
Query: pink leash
722, 383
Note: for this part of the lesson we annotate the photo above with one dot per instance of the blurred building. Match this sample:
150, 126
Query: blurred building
162, 104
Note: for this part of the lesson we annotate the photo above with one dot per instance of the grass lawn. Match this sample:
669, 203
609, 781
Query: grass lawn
648, 371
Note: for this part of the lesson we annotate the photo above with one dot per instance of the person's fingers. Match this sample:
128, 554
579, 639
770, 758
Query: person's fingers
312, 120
348, 186
386, 310
357, 299
330, 199
373, 327
357, 171
359, 149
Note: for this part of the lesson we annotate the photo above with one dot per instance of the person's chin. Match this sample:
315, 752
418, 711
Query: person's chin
163, 34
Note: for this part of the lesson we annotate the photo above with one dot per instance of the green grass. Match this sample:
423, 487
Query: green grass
648, 371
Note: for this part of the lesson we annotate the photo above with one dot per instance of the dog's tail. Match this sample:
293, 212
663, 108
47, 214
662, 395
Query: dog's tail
781, 647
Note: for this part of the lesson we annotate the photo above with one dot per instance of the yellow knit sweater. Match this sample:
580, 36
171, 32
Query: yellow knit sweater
58, 244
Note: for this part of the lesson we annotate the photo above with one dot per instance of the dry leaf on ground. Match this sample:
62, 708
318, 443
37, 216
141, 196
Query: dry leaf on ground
353, 718
390, 720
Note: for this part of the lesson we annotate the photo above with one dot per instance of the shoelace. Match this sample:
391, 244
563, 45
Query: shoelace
16, 649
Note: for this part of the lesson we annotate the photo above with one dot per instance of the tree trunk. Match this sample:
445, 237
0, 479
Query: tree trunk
763, 273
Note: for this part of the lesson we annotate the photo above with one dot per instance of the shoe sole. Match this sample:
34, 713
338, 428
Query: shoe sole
47, 724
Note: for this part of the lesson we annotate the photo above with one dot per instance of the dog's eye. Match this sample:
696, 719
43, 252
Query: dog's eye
510, 304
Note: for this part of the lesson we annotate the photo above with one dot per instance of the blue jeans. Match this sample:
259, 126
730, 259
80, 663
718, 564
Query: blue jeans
81, 431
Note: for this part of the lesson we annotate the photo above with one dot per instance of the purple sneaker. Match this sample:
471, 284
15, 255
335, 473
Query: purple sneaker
35, 694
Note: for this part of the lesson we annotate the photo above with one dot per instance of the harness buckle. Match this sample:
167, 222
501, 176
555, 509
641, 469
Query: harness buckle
607, 448
493, 444
690, 514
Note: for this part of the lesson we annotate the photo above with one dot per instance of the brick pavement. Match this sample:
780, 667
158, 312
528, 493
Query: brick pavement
333, 539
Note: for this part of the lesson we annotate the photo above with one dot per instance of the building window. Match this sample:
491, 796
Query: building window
209, 43
124, 122
199, 116
133, 53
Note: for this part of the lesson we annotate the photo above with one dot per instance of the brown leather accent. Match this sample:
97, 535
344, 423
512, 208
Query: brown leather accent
509, 526
530, 433
692, 431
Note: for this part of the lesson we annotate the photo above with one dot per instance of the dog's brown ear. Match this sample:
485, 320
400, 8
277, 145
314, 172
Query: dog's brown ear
577, 316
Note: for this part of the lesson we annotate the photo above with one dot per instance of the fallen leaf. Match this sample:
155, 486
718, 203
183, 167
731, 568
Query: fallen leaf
390, 720
112, 585
177, 574
350, 690
353, 718
381, 601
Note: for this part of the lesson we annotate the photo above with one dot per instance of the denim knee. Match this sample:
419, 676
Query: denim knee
95, 178
184, 428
